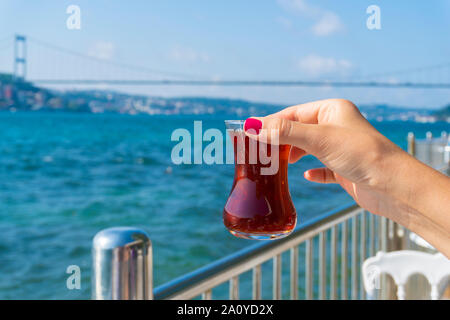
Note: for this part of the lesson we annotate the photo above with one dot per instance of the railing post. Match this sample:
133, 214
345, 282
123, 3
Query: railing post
411, 151
256, 283
344, 261
122, 265
430, 160
411, 144
277, 277
372, 234
322, 266
309, 265
294, 273
333, 264
234, 288
447, 157
397, 237
207, 295
354, 261
446, 151
363, 252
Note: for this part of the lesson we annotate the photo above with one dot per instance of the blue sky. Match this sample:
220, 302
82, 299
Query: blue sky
235, 39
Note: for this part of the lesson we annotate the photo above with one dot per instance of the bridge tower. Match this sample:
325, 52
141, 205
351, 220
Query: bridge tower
20, 57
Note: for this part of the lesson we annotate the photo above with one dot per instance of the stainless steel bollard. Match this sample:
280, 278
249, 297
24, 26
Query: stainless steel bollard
122, 265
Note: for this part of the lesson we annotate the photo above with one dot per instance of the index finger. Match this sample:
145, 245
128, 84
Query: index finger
305, 113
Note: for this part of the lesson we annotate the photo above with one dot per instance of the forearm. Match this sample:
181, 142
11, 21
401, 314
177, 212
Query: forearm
423, 195
437, 236
425, 190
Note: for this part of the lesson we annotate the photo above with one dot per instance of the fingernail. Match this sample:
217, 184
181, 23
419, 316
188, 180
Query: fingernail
252, 123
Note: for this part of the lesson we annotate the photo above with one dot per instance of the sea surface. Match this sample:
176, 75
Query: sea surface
65, 176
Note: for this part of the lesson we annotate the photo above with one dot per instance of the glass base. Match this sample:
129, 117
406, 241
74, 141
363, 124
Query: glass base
260, 236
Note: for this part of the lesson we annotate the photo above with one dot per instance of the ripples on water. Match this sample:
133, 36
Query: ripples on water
64, 177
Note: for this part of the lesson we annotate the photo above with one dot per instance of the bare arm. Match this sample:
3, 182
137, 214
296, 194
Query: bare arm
380, 176
425, 197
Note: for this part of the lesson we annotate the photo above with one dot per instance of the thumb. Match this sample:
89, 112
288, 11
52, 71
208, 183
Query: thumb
276, 131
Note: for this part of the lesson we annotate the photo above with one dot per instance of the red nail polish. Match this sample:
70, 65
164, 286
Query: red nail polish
254, 124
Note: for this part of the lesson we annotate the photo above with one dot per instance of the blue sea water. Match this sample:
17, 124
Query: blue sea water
64, 177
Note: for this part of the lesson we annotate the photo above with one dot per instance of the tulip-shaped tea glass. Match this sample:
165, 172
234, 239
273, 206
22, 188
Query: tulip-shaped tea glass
259, 205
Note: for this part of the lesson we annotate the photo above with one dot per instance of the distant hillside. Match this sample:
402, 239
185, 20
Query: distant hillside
225, 105
383, 112
443, 114
24, 96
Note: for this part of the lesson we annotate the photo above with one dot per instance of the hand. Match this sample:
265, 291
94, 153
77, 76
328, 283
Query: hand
379, 175
338, 135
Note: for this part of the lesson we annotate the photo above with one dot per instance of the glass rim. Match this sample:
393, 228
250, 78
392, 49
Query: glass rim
235, 121
234, 124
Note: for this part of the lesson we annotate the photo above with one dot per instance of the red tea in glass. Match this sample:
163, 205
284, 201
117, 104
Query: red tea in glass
259, 205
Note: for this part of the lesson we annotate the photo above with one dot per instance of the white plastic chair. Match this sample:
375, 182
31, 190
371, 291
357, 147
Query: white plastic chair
400, 265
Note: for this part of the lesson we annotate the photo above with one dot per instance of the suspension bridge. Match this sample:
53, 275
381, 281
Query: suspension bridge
67, 67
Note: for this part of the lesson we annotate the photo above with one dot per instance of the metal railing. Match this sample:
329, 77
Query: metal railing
433, 151
325, 255
338, 257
